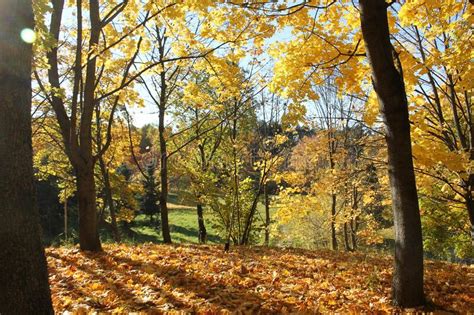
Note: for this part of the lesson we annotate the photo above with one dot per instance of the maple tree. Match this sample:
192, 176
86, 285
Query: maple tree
334, 48
204, 151
75, 111
332, 179
440, 91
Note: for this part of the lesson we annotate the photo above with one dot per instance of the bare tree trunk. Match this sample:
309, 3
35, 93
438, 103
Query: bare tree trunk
248, 222
88, 227
65, 219
109, 199
24, 285
267, 215
333, 224
470, 209
354, 226
202, 236
347, 247
353, 223
388, 82
332, 164
202, 233
165, 228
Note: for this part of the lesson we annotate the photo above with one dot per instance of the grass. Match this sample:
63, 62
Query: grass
183, 227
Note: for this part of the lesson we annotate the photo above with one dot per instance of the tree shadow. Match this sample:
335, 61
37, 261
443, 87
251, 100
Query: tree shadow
201, 278
134, 236
216, 294
193, 233
120, 294
123, 280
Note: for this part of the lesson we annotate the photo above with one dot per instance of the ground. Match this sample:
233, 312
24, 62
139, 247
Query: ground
156, 278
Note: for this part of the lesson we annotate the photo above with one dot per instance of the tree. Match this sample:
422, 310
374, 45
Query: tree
24, 285
94, 82
328, 41
439, 85
176, 38
387, 78
203, 150
150, 197
160, 89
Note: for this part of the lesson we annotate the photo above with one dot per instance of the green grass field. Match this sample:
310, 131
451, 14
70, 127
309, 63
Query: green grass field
183, 226
182, 220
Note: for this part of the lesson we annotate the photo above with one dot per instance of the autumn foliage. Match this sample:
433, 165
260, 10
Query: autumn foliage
164, 278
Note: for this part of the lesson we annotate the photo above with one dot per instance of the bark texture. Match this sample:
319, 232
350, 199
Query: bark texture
88, 221
24, 285
469, 199
407, 288
267, 215
333, 223
163, 197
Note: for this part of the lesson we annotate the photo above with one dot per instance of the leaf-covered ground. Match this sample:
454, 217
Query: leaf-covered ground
160, 278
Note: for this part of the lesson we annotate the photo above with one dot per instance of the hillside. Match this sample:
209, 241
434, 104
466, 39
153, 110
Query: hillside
162, 278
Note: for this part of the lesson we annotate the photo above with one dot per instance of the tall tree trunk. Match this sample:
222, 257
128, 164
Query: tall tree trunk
245, 240
354, 225
347, 247
332, 164
109, 199
202, 233
333, 223
267, 215
88, 227
202, 236
65, 220
24, 285
407, 288
470, 209
165, 228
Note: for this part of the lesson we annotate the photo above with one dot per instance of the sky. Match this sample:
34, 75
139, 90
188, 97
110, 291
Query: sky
149, 113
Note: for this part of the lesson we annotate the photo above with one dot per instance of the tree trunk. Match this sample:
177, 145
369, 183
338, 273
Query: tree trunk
65, 219
248, 223
165, 228
24, 285
202, 228
470, 210
109, 199
407, 288
88, 231
267, 215
332, 164
333, 224
354, 225
347, 247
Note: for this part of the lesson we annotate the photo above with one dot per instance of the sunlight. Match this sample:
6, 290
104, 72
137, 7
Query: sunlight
28, 35
237, 157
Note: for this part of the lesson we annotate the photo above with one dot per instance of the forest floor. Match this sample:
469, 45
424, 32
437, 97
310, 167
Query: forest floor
153, 278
